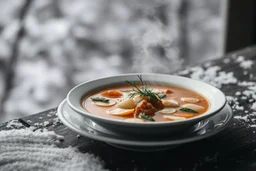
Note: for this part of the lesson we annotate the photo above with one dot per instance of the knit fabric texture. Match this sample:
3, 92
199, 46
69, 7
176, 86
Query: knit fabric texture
27, 150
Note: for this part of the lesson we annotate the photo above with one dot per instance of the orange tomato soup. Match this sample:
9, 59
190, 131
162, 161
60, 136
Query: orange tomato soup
125, 102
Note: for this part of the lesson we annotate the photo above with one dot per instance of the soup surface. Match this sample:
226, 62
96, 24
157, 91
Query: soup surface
137, 102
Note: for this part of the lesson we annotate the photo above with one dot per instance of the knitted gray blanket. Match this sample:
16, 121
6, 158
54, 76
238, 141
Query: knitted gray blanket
27, 150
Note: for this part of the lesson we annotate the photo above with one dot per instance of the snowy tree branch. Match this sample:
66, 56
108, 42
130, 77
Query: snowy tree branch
9, 72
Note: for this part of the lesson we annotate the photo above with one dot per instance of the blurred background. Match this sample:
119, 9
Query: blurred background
47, 47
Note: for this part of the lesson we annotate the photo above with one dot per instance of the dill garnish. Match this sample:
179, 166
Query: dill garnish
144, 91
100, 99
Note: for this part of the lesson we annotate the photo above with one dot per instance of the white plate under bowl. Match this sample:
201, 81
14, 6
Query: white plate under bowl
216, 98
77, 123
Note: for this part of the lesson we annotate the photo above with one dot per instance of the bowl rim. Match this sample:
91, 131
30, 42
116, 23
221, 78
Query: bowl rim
116, 121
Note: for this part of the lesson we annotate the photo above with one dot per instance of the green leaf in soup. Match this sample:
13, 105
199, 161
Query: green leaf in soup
146, 117
100, 99
185, 109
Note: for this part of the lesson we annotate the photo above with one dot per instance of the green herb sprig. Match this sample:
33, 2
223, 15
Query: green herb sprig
143, 91
146, 117
100, 99
185, 109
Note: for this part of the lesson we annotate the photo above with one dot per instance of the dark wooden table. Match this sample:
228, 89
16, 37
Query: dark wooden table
232, 149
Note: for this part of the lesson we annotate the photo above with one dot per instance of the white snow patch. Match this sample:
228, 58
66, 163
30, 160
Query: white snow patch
29, 121
230, 98
244, 118
246, 83
246, 64
46, 123
240, 59
253, 106
237, 107
238, 93
212, 75
226, 61
14, 124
